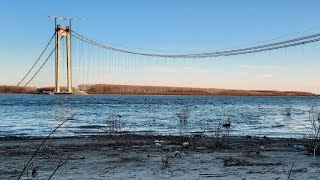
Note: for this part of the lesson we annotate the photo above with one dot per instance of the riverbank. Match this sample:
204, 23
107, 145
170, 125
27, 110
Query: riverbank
166, 90
159, 157
110, 89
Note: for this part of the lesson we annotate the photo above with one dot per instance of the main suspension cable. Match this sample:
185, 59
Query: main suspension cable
34, 64
260, 48
53, 50
41, 66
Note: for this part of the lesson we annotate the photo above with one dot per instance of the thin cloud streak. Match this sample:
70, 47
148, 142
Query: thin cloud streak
167, 69
247, 66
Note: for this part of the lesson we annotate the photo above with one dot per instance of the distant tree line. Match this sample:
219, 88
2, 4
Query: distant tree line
17, 89
153, 90
163, 90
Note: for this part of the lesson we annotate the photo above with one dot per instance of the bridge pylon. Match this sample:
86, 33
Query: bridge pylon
60, 32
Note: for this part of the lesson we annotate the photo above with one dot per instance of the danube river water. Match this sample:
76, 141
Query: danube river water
38, 115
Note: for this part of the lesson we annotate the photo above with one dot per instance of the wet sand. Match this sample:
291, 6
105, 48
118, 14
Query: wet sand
158, 157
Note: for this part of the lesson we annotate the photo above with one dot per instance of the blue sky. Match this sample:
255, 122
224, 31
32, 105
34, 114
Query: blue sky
173, 26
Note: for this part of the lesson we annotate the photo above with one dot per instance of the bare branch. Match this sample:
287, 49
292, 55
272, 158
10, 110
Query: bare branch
289, 173
38, 148
61, 163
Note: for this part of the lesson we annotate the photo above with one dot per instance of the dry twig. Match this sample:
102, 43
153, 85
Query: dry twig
38, 148
61, 163
289, 174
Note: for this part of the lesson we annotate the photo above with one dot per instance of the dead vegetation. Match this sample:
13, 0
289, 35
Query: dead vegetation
220, 136
314, 131
34, 173
38, 149
152, 116
288, 111
289, 172
113, 124
183, 115
232, 161
61, 163
166, 163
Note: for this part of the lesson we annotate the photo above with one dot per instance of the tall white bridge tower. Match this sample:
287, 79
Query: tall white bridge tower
67, 33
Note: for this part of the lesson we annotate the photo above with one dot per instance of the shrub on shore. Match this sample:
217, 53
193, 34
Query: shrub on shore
183, 115
314, 132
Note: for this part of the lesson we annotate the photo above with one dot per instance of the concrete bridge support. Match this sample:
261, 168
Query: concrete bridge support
60, 33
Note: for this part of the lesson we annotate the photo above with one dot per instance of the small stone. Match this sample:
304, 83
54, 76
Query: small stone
158, 141
185, 144
200, 148
177, 154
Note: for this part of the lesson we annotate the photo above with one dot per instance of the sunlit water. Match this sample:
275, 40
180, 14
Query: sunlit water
38, 115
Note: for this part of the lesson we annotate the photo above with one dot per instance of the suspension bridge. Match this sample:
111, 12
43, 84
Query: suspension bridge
80, 60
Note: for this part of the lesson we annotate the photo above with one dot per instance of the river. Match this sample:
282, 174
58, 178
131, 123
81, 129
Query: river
38, 115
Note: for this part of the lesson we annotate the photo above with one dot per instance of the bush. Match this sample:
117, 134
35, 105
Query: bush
184, 114
314, 132
113, 124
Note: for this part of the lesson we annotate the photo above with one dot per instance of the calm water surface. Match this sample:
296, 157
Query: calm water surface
37, 115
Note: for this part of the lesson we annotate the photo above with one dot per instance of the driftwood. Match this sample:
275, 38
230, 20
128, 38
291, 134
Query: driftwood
231, 161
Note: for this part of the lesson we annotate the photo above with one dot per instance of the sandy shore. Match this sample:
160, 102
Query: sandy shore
158, 157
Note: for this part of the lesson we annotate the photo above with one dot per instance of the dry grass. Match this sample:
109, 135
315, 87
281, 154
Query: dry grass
220, 137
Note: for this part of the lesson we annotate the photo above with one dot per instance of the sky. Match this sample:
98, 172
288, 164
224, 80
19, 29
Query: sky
175, 26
